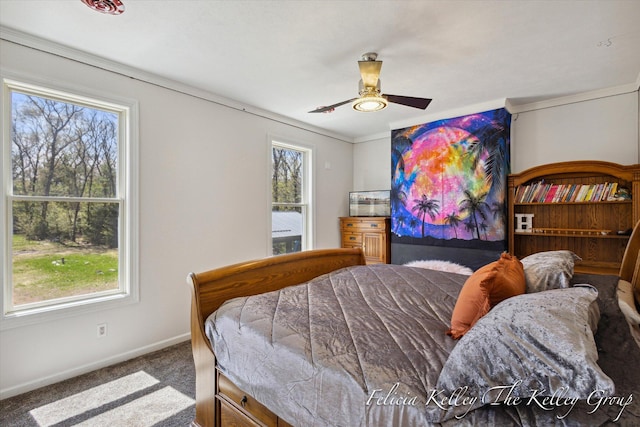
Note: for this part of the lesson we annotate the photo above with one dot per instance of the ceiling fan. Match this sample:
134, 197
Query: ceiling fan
369, 89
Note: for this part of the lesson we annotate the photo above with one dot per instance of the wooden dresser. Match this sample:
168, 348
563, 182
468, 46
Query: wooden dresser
372, 234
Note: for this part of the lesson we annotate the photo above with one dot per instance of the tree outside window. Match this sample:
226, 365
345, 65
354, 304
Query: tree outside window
290, 199
66, 207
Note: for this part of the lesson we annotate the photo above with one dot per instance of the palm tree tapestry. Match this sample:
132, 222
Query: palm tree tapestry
448, 188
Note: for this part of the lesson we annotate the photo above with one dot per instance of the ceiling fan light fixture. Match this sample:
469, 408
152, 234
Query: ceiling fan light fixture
369, 88
369, 103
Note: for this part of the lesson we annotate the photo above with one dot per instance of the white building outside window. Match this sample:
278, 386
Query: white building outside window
291, 212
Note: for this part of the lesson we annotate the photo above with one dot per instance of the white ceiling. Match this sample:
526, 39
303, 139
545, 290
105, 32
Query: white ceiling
289, 57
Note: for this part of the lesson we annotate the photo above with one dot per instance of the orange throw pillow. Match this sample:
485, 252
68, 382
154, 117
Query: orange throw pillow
484, 289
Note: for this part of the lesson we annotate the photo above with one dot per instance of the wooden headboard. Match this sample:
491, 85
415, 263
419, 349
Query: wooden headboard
630, 267
211, 288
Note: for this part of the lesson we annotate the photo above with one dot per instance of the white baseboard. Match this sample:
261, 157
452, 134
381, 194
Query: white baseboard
61, 376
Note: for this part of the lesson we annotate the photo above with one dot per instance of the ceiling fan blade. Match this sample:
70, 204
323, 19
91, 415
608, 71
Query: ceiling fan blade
370, 72
409, 101
330, 108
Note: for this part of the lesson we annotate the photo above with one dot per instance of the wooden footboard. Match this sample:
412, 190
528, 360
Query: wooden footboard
211, 288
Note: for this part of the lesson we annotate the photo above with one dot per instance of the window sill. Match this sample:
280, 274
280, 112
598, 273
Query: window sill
38, 315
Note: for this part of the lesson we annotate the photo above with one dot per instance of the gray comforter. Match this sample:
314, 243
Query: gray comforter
364, 346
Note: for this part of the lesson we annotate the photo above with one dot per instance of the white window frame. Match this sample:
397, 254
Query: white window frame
127, 198
307, 191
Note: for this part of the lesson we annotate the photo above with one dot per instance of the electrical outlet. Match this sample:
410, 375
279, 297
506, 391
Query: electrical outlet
102, 330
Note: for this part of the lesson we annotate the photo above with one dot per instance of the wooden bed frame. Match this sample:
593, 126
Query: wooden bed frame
210, 289
218, 401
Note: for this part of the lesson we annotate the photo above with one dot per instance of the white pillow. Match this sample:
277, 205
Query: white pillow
434, 264
549, 270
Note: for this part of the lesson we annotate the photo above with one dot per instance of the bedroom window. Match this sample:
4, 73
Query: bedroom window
68, 203
290, 198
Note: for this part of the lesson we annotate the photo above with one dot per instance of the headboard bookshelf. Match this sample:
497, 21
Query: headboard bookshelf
596, 227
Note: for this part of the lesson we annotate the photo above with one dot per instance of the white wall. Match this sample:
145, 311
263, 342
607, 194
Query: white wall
601, 128
203, 204
598, 129
372, 165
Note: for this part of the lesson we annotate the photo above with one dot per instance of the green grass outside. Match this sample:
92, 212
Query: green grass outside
48, 270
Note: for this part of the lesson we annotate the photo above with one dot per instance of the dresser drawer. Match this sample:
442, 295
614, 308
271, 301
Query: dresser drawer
372, 224
352, 239
351, 224
362, 224
248, 404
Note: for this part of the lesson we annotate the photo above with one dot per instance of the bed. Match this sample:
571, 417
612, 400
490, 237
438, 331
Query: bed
318, 338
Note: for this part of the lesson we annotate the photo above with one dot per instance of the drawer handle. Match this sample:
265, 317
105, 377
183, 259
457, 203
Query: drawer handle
352, 238
374, 225
243, 402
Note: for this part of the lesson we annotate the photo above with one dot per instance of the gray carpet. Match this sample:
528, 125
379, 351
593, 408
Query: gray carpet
156, 389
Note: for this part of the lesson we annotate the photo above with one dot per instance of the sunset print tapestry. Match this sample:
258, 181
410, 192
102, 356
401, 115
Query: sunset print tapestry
448, 182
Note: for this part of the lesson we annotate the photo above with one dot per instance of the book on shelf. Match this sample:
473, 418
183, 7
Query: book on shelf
599, 191
587, 196
612, 191
582, 193
529, 193
595, 193
564, 188
518, 193
550, 196
574, 196
536, 192
541, 192
569, 196
606, 192
526, 195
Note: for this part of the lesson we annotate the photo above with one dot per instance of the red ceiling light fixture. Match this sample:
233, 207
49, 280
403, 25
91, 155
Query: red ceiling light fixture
110, 7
